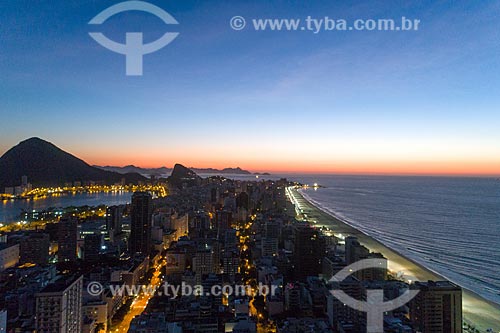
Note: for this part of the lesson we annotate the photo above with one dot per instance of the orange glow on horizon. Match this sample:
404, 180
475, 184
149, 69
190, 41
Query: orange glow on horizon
305, 155
393, 167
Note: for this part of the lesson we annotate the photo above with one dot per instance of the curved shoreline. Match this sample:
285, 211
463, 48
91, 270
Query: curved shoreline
482, 313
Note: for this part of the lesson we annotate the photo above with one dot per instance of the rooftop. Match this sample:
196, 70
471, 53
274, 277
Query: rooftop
60, 285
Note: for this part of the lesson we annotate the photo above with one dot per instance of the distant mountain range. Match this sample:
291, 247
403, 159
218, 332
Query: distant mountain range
46, 165
167, 171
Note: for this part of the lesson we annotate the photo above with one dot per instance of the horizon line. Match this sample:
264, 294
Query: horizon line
325, 173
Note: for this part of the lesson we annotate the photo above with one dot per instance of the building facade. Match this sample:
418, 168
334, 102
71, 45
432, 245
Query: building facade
59, 307
141, 223
437, 307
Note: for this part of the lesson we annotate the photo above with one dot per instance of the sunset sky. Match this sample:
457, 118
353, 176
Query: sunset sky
420, 102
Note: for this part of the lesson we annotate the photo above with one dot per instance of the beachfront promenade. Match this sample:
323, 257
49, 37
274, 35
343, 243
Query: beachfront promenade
476, 310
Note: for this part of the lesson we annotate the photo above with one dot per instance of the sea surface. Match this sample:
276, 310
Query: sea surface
11, 210
449, 225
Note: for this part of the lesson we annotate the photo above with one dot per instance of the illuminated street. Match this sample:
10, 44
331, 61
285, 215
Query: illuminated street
140, 302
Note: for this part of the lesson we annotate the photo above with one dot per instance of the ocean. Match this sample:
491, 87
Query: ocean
450, 225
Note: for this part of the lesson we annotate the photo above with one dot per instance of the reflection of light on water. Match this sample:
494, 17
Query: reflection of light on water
12, 208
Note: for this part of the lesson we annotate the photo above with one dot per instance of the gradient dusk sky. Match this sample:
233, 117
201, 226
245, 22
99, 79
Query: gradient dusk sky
424, 101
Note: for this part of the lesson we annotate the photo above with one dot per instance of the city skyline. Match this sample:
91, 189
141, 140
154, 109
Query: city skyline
413, 102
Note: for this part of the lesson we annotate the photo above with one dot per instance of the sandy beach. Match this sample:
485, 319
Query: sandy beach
476, 310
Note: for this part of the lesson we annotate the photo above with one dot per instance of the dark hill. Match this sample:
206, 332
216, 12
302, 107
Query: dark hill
47, 165
183, 177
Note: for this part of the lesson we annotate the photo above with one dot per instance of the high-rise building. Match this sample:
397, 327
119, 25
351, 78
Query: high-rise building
243, 200
140, 223
92, 247
114, 221
272, 229
437, 307
230, 240
354, 251
270, 239
9, 255
350, 319
201, 225
67, 239
214, 195
309, 250
34, 248
223, 220
59, 307
269, 247
203, 263
377, 273
230, 264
